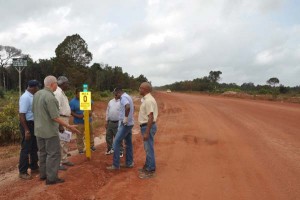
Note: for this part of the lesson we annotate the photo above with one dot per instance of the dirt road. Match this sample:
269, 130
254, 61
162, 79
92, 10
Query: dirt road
210, 148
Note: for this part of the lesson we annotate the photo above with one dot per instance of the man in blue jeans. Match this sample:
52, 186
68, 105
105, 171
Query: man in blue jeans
126, 123
147, 117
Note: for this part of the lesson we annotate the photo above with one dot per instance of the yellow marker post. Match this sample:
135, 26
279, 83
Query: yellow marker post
85, 105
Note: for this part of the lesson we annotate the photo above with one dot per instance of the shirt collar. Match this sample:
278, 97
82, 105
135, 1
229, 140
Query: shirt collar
147, 96
29, 93
48, 89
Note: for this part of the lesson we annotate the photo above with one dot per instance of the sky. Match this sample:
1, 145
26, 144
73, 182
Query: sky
166, 40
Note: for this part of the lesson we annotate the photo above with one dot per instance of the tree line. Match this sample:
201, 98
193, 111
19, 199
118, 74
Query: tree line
211, 84
72, 60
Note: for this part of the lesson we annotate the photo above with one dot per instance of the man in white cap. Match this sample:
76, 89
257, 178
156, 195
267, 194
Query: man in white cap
65, 113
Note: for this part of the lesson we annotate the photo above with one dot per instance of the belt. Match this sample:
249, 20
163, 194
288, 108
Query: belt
145, 124
113, 121
64, 116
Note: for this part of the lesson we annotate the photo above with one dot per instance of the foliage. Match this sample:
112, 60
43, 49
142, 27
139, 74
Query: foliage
73, 51
9, 123
7, 53
273, 81
283, 89
214, 76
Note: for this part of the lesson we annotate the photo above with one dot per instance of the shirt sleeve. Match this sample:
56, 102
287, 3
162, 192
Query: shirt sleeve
124, 101
72, 105
24, 104
107, 109
149, 107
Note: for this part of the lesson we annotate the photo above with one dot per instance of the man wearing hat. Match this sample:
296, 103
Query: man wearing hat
28, 143
65, 113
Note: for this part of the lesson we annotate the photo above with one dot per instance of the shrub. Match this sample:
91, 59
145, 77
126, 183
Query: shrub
9, 123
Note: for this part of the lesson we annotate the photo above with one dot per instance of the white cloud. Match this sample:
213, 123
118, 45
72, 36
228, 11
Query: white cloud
167, 41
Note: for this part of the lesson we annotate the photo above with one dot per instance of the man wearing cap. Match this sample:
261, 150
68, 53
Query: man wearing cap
126, 123
46, 121
28, 143
65, 113
147, 117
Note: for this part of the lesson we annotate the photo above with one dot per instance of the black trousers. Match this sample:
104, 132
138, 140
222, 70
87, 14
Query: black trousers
29, 149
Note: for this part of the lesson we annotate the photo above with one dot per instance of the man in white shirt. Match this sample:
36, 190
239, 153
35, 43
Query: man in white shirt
111, 125
65, 113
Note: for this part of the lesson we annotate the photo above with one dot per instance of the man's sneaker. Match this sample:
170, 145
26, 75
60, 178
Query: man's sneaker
108, 152
58, 180
127, 166
25, 176
68, 163
146, 174
142, 170
112, 167
81, 152
93, 148
63, 168
121, 155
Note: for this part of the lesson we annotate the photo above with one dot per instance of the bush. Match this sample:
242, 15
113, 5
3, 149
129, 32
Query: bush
9, 123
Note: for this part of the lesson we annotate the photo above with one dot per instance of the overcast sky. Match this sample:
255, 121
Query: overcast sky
166, 40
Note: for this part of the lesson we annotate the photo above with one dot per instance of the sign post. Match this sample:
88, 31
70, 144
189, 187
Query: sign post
20, 64
86, 106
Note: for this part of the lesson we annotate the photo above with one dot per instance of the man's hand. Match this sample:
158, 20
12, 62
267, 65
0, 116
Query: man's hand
27, 135
125, 120
73, 128
61, 128
146, 136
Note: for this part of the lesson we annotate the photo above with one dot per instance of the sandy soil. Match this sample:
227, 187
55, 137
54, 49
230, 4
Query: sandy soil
206, 148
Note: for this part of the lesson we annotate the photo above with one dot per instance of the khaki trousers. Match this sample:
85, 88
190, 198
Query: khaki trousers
64, 146
81, 136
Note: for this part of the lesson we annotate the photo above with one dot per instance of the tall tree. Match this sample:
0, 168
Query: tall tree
72, 59
7, 53
214, 76
73, 51
273, 81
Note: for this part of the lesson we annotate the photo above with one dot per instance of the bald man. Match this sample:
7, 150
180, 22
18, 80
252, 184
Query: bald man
147, 117
45, 110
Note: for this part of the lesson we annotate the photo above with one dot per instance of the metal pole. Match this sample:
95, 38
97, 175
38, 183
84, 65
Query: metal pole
20, 71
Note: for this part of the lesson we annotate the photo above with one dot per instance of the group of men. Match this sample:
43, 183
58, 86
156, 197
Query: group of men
44, 113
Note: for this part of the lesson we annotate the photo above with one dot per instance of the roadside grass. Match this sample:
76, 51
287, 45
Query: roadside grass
9, 151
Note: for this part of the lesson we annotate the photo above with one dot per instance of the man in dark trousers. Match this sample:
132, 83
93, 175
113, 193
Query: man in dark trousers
28, 143
47, 119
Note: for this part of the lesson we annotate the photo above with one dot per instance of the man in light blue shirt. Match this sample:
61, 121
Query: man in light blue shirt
126, 123
28, 143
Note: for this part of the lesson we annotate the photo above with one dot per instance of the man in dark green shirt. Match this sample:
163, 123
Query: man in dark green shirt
46, 114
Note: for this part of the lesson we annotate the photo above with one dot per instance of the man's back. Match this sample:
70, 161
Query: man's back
45, 108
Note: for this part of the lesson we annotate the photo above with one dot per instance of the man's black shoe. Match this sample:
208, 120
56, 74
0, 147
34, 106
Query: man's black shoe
58, 180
